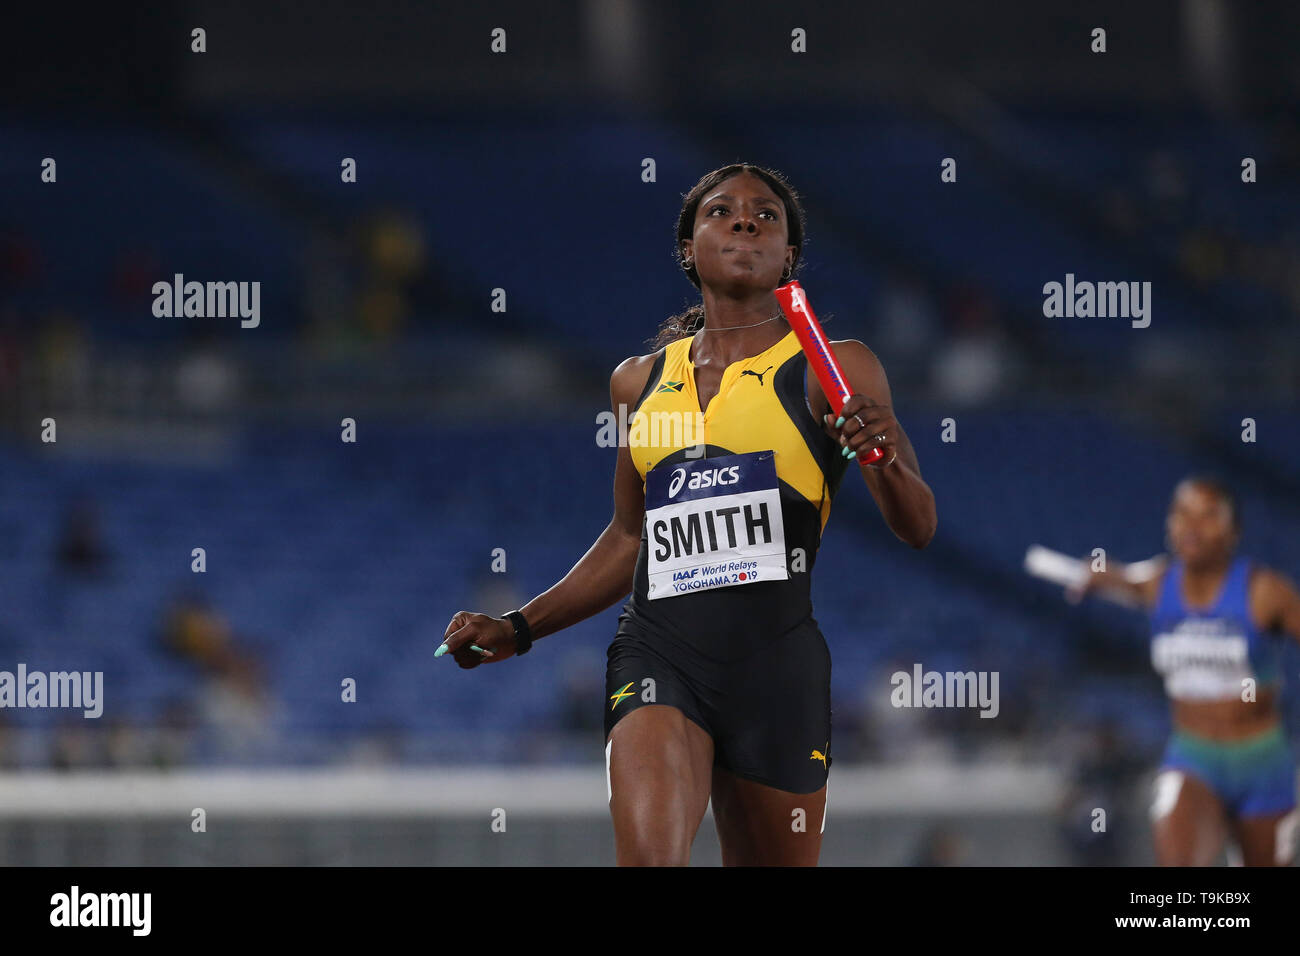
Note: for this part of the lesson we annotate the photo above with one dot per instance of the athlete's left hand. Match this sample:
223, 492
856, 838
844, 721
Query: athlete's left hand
866, 425
475, 639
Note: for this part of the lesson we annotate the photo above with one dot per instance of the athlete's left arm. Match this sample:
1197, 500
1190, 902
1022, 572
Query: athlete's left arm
1274, 603
902, 495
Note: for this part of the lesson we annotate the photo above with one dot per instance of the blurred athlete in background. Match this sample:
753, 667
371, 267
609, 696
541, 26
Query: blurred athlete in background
1216, 624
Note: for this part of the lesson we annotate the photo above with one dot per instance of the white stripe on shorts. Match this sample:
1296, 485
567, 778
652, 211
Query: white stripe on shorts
609, 789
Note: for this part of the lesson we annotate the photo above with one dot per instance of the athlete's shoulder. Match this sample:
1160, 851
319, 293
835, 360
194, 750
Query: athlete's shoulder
632, 375
852, 346
1270, 594
633, 365
861, 365
1263, 582
854, 350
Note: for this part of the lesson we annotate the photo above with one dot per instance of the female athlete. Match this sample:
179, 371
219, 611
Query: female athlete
718, 679
1216, 618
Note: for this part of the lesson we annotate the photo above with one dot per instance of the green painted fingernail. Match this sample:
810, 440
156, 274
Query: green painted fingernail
442, 649
485, 653
846, 451
840, 421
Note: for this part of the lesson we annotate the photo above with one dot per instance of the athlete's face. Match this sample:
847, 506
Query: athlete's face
1200, 525
740, 235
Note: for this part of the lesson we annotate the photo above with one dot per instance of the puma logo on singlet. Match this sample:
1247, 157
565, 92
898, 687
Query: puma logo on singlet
818, 755
757, 375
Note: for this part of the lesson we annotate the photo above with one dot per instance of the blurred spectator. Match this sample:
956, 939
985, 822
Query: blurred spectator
383, 746
382, 310
328, 292
81, 551
195, 631
234, 711
1101, 779
63, 358
907, 327
174, 737
394, 253
899, 733
395, 248
207, 381
584, 682
77, 744
125, 744
974, 363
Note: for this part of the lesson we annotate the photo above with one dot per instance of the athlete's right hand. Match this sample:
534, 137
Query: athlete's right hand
1095, 582
493, 634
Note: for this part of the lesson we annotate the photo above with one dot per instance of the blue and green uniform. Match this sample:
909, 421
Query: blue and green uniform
1209, 654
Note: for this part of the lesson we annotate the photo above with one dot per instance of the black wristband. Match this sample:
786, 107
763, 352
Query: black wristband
523, 633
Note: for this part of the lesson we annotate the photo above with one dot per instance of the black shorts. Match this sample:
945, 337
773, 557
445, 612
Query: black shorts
769, 713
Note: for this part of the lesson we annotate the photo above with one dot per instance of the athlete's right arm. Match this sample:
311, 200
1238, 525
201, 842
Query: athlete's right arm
602, 575
1126, 584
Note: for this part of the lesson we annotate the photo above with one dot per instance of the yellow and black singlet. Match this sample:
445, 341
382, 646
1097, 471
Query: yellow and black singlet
737, 497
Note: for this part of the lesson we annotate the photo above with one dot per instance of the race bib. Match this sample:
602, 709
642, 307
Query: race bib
714, 523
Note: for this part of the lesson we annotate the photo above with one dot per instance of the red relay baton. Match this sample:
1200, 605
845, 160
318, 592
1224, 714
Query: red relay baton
798, 312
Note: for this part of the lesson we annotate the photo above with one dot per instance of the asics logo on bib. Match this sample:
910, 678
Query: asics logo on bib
703, 479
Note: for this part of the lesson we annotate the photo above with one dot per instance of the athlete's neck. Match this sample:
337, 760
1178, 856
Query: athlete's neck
1202, 582
737, 333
